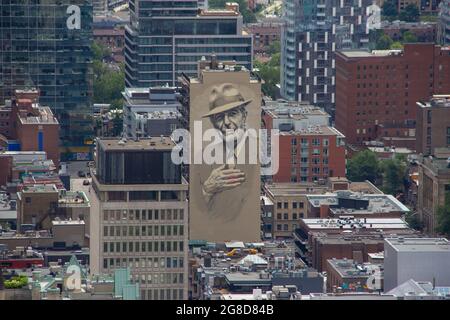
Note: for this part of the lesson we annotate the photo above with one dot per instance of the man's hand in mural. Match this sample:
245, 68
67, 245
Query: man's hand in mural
221, 179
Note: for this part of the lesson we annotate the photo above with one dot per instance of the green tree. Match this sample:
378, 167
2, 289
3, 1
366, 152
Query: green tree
384, 42
248, 15
410, 13
364, 166
389, 8
396, 45
414, 221
409, 37
270, 73
394, 171
274, 48
100, 51
443, 217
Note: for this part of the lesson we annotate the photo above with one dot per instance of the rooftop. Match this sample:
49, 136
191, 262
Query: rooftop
160, 143
368, 54
437, 101
400, 244
350, 268
377, 203
294, 189
40, 188
158, 114
68, 222
354, 223
42, 115
314, 131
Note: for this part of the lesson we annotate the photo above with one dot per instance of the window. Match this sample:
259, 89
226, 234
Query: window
285, 227
286, 216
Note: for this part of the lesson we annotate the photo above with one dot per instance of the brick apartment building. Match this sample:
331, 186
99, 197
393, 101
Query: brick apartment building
310, 150
29, 126
433, 124
264, 34
376, 92
318, 240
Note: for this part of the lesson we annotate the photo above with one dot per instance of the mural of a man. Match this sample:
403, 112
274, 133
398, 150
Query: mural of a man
224, 186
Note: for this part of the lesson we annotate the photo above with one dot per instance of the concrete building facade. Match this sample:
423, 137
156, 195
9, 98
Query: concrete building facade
420, 259
139, 218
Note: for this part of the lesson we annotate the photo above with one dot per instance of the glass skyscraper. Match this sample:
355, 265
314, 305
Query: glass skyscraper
167, 38
313, 31
46, 44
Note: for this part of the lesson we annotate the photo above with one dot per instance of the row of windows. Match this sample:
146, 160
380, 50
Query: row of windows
314, 170
141, 246
143, 215
138, 231
295, 216
305, 161
294, 205
162, 294
149, 262
283, 227
315, 141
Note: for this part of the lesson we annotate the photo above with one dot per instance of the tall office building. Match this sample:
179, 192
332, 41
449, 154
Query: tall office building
167, 38
313, 31
444, 23
47, 45
139, 216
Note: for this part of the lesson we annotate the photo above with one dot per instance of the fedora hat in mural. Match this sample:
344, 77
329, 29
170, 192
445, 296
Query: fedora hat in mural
223, 98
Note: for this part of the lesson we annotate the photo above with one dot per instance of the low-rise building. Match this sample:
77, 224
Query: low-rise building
434, 187
264, 35
256, 270
346, 275
310, 150
421, 259
150, 112
31, 126
433, 124
346, 203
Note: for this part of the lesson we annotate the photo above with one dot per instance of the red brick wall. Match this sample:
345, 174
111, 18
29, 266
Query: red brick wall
387, 89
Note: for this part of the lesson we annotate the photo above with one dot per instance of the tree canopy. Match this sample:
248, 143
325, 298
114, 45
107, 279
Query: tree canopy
384, 42
108, 83
389, 8
410, 13
364, 166
248, 15
394, 171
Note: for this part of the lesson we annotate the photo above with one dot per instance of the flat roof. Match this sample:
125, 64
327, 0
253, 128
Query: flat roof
295, 189
68, 222
377, 202
367, 54
349, 224
156, 143
419, 244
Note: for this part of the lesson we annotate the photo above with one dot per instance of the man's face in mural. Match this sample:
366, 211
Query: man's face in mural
229, 120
